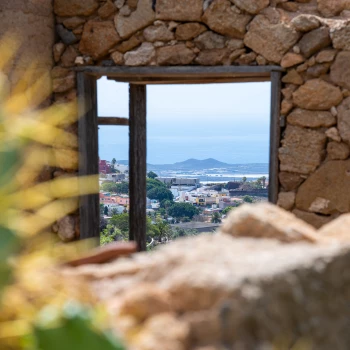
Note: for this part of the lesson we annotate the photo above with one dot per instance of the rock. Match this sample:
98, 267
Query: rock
305, 23
314, 41
302, 150
338, 150
286, 106
313, 219
62, 79
286, 200
188, 31
290, 181
212, 57
129, 44
330, 8
66, 35
58, 50
246, 59
316, 194
179, 10
337, 230
158, 33
326, 56
318, 95
311, 119
344, 120
340, 70
317, 70
73, 22
141, 56
287, 92
234, 44
119, 4
222, 19
267, 221
235, 54
117, 58
175, 55
270, 40
293, 77
66, 228
107, 10
291, 59
340, 38
210, 40
98, 38
139, 19
125, 11
69, 56
333, 134
251, 6
70, 8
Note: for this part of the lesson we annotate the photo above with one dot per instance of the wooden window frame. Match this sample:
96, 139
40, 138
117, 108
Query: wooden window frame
139, 78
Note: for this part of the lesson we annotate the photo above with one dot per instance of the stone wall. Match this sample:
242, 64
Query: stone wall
309, 38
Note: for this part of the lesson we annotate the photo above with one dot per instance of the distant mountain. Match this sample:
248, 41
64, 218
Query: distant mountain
123, 162
197, 164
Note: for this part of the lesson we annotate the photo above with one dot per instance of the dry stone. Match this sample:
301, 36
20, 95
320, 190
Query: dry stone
305, 23
337, 230
293, 77
290, 181
340, 70
66, 228
188, 31
98, 38
175, 55
291, 59
311, 119
73, 22
327, 191
341, 38
117, 58
158, 33
62, 79
286, 200
179, 10
212, 57
314, 41
70, 8
66, 35
129, 44
302, 150
270, 40
69, 56
267, 221
338, 150
139, 19
251, 6
344, 120
210, 40
313, 219
317, 70
58, 50
234, 44
333, 134
318, 95
247, 59
221, 18
107, 10
326, 56
330, 8
141, 56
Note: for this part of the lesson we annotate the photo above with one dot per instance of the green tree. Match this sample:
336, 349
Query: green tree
152, 183
226, 210
160, 194
161, 229
248, 199
111, 234
180, 232
102, 207
122, 187
180, 210
121, 221
216, 218
244, 179
152, 175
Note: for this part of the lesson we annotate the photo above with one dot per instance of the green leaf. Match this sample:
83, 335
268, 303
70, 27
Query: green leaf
9, 162
76, 333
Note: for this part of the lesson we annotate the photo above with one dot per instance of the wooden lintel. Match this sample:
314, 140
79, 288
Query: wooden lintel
112, 121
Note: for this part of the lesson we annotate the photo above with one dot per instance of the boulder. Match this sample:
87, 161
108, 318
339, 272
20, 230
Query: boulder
234, 44
286, 200
210, 40
175, 55
314, 41
330, 8
338, 150
138, 19
291, 59
327, 191
179, 10
293, 77
129, 44
107, 10
337, 229
305, 23
69, 56
317, 94
73, 22
313, 219
221, 18
344, 120
311, 119
302, 150
158, 33
118, 58
188, 31
213, 57
289, 181
62, 79
270, 40
317, 70
341, 38
98, 38
67, 37
251, 6
340, 70
70, 8
326, 56
141, 56
267, 221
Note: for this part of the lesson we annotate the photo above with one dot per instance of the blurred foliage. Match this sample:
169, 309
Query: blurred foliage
32, 138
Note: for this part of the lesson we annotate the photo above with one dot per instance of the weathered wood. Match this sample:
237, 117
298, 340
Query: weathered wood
275, 135
137, 165
88, 149
112, 121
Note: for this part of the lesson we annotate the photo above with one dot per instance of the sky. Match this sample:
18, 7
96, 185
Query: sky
228, 122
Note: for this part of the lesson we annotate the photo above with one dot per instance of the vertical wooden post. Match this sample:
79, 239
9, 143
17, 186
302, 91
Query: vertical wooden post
137, 165
88, 153
275, 135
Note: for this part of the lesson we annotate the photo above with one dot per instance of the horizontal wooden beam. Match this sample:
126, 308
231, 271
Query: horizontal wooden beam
112, 121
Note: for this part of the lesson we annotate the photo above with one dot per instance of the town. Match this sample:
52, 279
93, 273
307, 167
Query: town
177, 206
